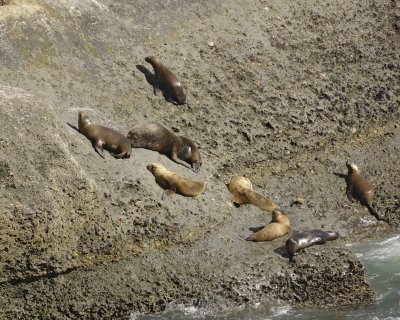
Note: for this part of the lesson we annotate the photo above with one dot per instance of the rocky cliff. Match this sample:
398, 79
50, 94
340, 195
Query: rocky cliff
283, 92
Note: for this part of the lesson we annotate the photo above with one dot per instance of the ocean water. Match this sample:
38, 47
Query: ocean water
382, 263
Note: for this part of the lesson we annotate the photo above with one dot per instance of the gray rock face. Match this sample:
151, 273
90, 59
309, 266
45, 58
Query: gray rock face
287, 93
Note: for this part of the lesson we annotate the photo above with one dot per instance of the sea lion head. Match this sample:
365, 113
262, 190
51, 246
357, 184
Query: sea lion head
151, 59
83, 121
196, 160
352, 167
332, 235
190, 154
277, 215
180, 97
156, 168
239, 183
280, 217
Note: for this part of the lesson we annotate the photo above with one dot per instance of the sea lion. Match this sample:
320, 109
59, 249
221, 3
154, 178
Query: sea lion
243, 193
102, 137
278, 227
154, 136
360, 188
167, 82
300, 240
173, 183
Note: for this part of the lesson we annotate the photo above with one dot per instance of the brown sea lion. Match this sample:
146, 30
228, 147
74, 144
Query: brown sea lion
173, 183
154, 136
102, 137
300, 240
167, 82
278, 227
243, 193
360, 188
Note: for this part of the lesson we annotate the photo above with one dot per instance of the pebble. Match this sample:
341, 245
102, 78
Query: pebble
210, 44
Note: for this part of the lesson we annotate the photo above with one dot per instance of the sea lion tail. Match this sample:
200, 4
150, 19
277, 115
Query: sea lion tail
249, 238
375, 213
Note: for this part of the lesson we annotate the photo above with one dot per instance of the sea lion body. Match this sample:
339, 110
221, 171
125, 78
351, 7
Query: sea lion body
154, 136
358, 187
278, 227
301, 240
242, 190
167, 82
103, 137
173, 183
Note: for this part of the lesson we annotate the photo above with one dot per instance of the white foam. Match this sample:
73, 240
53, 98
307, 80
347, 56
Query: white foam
192, 312
387, 249
390, 239
280, 310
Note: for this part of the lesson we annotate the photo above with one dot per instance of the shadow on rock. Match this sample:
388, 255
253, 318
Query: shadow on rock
282, 252
150, 78
340, 175
72, 126
256, 229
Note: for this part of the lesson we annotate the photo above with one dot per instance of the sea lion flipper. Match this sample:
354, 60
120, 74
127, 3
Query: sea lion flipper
121, 155
175, 158
250, 238
167, 193
117, 156
349, 193
170, 99
99, 148
156, 89
375, 213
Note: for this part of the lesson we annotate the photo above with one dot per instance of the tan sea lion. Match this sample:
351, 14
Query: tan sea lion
167, 82
243, 193
154, 136
300, 240
278, 227
173, 183
102, 137
358, 187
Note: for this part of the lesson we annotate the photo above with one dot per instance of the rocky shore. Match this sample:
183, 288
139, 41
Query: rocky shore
282, 92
